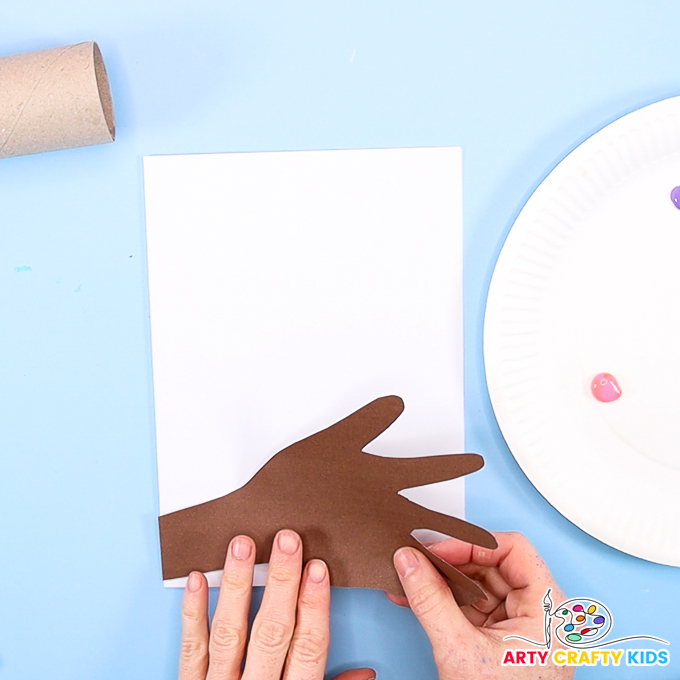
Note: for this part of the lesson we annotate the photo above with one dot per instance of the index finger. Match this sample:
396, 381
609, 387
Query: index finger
309, 646
515, 559
230, 622
274, 623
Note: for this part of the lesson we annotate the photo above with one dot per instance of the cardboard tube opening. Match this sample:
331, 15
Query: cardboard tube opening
104, 89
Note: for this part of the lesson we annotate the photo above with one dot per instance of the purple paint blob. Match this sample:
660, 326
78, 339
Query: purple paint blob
675, 197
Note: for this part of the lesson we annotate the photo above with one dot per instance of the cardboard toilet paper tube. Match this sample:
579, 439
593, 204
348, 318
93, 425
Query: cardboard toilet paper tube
54, 99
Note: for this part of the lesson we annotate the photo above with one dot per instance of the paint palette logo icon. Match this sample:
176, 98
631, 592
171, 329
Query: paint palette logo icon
581, 622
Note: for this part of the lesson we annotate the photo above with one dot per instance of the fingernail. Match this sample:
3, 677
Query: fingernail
194, 581
288, 542
241, 548
405, 560
316, 571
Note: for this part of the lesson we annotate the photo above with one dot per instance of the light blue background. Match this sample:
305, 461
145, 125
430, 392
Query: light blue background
516, 84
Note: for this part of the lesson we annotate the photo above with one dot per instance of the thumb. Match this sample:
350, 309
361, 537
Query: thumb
431, 600
357, 674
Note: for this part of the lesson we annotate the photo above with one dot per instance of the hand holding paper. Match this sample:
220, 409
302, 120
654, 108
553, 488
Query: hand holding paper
470, 641
342, 501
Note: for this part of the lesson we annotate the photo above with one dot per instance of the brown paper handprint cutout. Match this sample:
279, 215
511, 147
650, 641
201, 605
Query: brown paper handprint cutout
342, 501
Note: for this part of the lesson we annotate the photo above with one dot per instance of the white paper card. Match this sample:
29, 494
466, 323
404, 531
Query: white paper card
287, 290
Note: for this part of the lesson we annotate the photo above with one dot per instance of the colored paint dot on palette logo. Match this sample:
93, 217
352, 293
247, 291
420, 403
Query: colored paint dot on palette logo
675, 197
605, 387
582, 622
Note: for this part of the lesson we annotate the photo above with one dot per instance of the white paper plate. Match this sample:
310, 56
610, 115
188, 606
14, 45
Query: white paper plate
588, 281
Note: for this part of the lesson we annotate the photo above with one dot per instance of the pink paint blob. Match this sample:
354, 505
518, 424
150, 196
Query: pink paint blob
605, 387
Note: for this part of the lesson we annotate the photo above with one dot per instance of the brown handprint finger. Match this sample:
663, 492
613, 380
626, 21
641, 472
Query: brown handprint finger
424, 518
405, 473
363, 426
